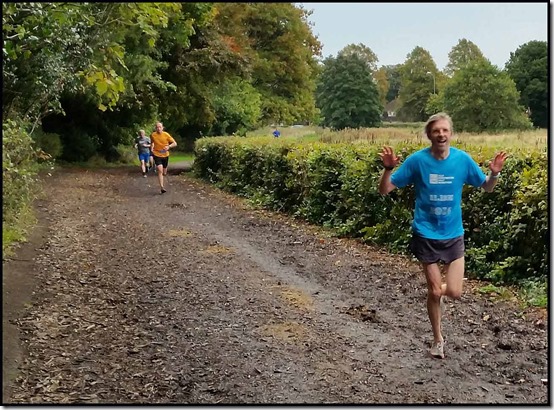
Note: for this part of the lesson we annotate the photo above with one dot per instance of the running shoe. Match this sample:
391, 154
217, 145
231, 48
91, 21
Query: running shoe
437, 350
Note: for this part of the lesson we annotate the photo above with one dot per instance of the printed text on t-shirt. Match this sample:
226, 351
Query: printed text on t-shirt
440, 179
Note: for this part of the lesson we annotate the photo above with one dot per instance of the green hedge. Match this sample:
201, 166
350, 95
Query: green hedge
335, 185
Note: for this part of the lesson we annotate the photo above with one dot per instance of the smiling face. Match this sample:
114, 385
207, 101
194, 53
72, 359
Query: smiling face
440, 134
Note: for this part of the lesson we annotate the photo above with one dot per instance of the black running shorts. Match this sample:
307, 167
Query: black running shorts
435, 250
161, 161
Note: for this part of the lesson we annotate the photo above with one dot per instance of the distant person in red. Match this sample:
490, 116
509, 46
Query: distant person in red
161, 143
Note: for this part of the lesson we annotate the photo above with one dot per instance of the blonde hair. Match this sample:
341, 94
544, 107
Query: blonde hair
434, 118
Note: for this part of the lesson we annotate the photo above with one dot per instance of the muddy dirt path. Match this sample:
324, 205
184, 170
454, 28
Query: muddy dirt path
129, 296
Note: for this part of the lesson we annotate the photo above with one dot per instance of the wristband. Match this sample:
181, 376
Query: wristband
495, 176
388, 168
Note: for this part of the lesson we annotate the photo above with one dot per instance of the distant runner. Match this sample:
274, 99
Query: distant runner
161, 144
143, 146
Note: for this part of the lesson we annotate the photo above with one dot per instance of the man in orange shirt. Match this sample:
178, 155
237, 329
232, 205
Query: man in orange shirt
161, 143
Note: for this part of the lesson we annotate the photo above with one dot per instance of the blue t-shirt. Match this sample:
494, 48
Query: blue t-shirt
276, 133
438, 187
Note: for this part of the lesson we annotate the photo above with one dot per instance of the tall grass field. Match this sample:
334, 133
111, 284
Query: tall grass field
535, 140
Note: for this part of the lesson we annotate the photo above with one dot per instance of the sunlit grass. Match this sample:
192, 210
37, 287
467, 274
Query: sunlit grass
287, 132
181, 156
533, 139
529, 293
173, 158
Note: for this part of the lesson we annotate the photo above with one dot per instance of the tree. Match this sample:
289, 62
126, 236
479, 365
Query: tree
362, 51
139, 62
237, 106
435, 104
196, 67
347, 94
122, 75
528, 67
416, 84
56, 48
44, 46
394, 80
285, 65
462, 54
380, 77
480, 97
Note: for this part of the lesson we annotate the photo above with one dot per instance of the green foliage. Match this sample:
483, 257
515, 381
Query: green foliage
412, 126
528, 226
394, 232
237, 105
360, 204
284, 66
508, 228
15, 232
277, 185
128, 154
143, 64
69, 48
93, 52
347, 94
394, 80
382, 83
416, 85
535, 292
43, 47
48, 142
435, 104
335, 185
196, 67
80, 147
191, 65
365, 53
461, 55
107, 77
244, 170
391, 225
19, 179
324, 169
482, 98
528, 67
211, 155
85, 130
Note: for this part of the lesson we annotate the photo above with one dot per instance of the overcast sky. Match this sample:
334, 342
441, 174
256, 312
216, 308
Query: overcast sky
392, 30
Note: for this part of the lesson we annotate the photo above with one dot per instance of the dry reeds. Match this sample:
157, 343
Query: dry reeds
534, 139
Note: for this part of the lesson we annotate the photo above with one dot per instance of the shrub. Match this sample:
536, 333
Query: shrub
335, 185
48, 142
19, 177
